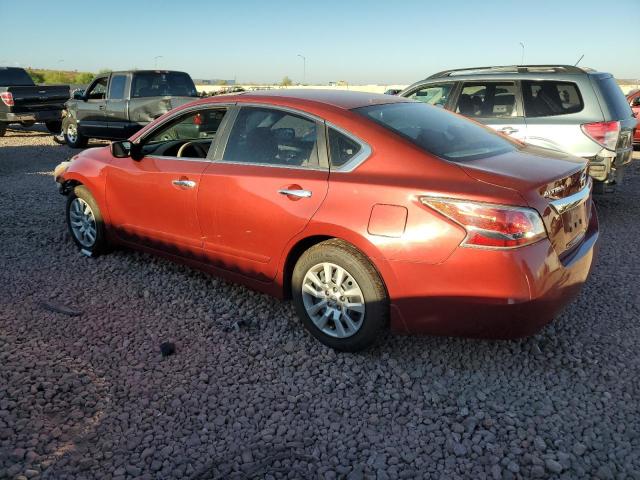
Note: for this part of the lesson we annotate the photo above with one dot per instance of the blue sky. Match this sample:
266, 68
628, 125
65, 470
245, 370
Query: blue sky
358, 41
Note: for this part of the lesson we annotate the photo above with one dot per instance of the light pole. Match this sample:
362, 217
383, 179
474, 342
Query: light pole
155, 60
304, 68
522, 58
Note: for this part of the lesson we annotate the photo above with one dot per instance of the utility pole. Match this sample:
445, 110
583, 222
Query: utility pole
304, 68
522, 57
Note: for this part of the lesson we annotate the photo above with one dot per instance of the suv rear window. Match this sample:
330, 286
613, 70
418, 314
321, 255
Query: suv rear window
614, 98
549, 98
438, 131
160, 84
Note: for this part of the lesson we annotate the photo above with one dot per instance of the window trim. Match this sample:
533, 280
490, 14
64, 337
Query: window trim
321, 138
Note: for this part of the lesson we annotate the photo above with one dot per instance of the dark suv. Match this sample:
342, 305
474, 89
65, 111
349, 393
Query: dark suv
562, 107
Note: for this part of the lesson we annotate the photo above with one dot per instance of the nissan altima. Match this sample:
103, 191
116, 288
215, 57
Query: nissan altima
368, 211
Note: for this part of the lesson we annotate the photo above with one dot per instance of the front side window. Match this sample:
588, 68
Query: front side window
98, 89
272, 137
190, 135
547, 98
116, 88
341, 148
487, 100
438, 131
433, 94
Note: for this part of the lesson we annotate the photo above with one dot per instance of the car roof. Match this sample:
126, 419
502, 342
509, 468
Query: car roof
344, 99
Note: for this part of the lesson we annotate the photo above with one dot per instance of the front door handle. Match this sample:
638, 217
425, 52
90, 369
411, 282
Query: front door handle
295, 193
508, 130
184, 183
102, 107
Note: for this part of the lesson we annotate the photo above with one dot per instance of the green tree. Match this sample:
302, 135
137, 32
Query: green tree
286, 82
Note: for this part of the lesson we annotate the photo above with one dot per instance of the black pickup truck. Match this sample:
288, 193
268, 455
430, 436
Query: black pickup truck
118, 104
24, 102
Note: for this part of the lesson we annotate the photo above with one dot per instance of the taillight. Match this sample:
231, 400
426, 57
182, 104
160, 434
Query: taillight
7, 99
490, 225
605, 133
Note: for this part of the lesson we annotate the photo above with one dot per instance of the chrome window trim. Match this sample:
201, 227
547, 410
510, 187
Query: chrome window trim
357, 160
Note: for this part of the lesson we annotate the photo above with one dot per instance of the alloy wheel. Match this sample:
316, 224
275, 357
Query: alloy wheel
333, 300
82, 222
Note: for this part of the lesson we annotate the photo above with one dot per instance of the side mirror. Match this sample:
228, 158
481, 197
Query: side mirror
125, 148
79, 95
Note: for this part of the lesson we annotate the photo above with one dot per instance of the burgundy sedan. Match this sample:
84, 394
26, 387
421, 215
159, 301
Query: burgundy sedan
369, 211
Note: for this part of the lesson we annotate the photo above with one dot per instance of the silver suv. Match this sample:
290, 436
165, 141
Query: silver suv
563, 107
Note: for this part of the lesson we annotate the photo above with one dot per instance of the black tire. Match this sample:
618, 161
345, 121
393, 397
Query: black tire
3, 129
358, 266
72, 136
54, 126
99, 245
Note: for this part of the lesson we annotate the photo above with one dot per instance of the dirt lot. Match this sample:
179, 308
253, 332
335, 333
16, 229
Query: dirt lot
248, 394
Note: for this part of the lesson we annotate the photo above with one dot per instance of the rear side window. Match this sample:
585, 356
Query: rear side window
549, 98
433, 94
116, 87
438, 131
614, 98
488, 100
341, 148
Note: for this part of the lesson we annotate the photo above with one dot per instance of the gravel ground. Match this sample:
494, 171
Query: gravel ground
248, 394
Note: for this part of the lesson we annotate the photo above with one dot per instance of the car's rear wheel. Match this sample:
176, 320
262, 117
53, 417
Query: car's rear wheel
71, 134
340, 296
85, 222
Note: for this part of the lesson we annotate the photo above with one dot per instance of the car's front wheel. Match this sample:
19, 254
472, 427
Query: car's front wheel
3, 129
340, 296
71, 134
85, 222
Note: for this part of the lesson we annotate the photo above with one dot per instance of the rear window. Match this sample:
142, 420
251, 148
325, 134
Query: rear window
341, 148
14, 77
614, 98
549, 98
160, 84
438, 131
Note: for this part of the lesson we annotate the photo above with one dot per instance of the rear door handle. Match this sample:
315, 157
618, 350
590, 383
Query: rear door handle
295, 193
184, 183
102, 107
508, 130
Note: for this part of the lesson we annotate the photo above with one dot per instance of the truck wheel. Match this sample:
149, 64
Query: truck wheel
3, 129
54, 126
71, 135
339, 296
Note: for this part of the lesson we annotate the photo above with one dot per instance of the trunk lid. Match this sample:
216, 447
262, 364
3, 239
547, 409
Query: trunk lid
38, 97
556, 184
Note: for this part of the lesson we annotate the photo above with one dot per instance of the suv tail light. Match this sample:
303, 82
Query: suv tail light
7, 99
604, 133
489, 225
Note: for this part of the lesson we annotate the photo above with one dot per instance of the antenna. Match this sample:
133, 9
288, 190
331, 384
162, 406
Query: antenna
581, 57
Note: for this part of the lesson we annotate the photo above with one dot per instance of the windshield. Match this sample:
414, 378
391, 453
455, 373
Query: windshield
14, 77
160, 84
438, 131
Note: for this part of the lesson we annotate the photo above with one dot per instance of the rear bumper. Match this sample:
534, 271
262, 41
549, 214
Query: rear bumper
37, 116
490, 293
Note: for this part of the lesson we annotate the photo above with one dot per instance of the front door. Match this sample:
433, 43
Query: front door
92, 117
496, 104
153, 201
262, 189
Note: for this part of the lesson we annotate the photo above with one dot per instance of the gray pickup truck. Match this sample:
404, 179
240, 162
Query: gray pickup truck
25, 103
118, 104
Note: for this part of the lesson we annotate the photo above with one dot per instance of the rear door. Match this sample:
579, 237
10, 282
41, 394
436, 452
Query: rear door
153, 201
262, 189
117, 111
495, 103
91, 112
